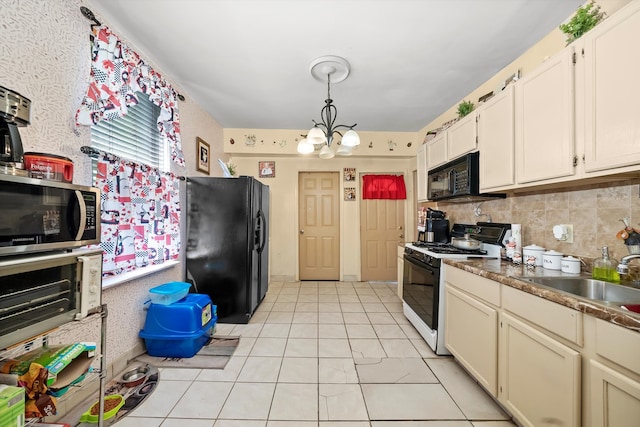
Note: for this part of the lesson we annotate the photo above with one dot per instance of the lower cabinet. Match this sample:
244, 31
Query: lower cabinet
615, 398
539, 377
472, 336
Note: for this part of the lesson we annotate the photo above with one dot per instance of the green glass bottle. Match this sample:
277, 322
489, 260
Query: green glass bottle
605, 268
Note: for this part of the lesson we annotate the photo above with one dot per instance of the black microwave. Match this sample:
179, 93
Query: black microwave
41, 215
458, 181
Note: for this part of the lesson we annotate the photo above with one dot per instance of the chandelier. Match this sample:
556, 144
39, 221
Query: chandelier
321, 135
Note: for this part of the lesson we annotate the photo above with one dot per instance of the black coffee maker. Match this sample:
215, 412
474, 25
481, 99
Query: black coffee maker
14, 112
436, 227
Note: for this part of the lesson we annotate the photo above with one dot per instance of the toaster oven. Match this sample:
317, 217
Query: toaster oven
40, 292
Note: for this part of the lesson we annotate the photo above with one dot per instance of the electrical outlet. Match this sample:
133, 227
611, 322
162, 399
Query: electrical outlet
563, 233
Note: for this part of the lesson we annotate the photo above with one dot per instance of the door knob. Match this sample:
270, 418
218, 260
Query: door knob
301, 231
400, 227
401, 235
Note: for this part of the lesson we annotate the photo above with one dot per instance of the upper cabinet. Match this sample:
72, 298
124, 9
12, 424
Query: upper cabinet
421, 175
612, 91
495, 141
460, 138
437, 150
544, 121
463, 137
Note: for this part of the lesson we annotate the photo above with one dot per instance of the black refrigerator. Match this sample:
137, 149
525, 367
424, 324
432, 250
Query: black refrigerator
227, 243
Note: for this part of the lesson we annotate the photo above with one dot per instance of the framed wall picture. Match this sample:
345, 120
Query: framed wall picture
267, 169
349, 174
203, 153
350, 194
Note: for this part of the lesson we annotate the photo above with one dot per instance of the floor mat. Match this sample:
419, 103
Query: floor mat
214, 355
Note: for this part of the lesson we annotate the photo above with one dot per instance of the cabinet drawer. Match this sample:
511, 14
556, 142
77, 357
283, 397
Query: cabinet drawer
618, 344
478, 286
562, 321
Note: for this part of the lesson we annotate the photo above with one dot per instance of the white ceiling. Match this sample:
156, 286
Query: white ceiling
246, 62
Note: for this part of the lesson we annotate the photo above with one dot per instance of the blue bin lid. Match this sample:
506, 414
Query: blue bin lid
170, 288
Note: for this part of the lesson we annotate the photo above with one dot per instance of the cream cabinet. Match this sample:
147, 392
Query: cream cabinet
615, 398
544, 121
471, 316
421, 173
612, 91
437, 151
462, 137
539, 378
471, 336
496, 141
614, 386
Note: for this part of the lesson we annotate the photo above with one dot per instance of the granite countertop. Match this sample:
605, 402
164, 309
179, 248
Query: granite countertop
506, 272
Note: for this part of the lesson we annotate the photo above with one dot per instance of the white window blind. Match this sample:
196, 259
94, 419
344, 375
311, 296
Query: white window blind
133, 137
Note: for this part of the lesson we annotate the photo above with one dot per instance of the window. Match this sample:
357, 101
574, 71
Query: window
139, 203
133, 137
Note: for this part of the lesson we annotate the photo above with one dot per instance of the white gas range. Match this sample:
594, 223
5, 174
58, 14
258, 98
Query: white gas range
423, 285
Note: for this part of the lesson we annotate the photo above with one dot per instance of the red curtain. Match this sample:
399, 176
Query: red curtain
383, 187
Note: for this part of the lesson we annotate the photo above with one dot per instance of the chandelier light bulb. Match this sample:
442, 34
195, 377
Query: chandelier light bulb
305, 147
326, 153
316, 136
351, 138
343, 150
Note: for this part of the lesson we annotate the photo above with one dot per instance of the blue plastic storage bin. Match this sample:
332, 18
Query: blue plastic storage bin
179, 329
169, 292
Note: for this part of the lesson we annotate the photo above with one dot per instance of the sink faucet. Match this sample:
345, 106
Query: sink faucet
623, 267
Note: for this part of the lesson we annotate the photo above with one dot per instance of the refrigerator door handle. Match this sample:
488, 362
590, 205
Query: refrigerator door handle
263, 232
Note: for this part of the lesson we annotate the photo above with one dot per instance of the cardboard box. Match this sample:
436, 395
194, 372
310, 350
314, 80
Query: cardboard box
11, 406
63, 363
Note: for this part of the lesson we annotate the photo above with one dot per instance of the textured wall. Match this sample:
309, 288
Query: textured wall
45, 56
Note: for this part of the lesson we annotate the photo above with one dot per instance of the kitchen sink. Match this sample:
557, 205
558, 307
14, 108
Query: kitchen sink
589, 288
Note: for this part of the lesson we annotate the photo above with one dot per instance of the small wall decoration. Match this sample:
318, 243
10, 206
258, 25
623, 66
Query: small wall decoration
350, 194
202, 150
349, 174
267, 169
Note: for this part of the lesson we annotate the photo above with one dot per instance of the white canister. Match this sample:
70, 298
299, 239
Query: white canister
570, 264
551, 260
535, 252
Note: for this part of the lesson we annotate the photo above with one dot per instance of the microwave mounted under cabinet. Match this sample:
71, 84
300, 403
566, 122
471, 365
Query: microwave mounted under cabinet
40, 215
458, 181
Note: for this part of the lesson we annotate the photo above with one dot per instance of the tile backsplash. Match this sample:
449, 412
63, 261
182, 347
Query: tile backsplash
595, 213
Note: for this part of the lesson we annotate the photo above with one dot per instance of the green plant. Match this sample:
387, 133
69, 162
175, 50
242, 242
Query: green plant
232, 168
464, 108
585, 18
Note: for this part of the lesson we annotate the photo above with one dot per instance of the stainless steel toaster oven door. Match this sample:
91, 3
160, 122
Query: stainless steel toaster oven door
37, 294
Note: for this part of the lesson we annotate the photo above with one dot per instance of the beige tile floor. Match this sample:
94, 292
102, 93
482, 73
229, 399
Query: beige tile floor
323, 354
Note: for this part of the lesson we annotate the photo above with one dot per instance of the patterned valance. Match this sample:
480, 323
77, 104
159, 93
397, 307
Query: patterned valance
117, 74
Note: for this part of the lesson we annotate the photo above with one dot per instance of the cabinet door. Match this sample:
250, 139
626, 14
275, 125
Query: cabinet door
496, 141
615, 398
462, 137
544, 121
539, 377
422, 173
437, 151
612, 128
472, 336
